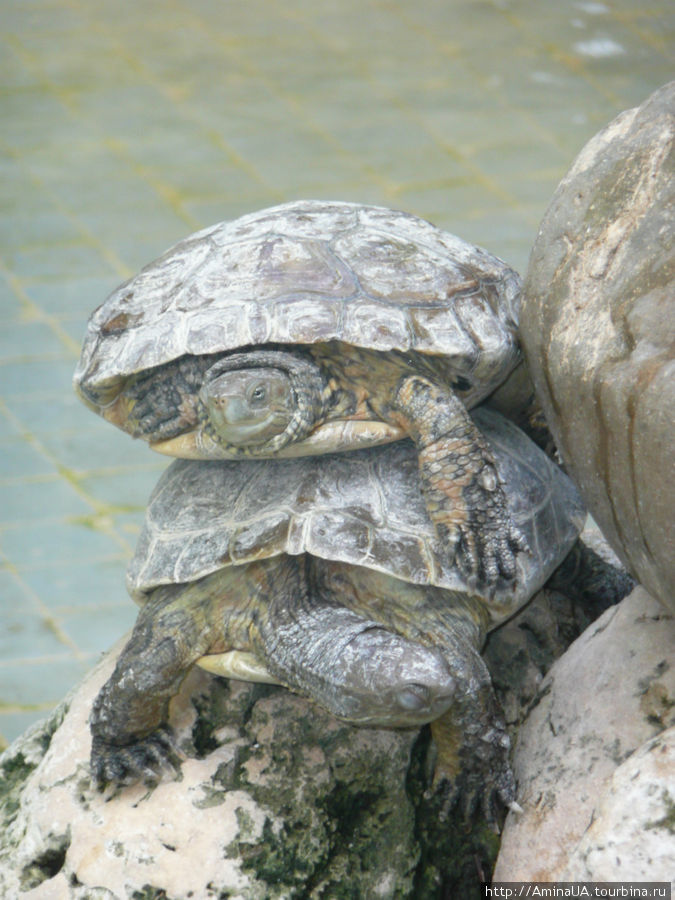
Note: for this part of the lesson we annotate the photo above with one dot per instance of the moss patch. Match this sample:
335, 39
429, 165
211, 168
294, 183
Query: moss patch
340, 823
666, 822
47, 864
21, 758
150, 892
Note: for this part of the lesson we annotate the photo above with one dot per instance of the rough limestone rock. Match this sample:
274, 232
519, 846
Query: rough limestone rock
598, 328
275, 799
611, 693
633, 831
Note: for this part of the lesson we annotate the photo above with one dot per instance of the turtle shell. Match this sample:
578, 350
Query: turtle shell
308, 272
363, 507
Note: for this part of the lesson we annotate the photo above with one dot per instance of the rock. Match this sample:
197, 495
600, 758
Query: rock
598, 328
633, 829
274, 799
609, 694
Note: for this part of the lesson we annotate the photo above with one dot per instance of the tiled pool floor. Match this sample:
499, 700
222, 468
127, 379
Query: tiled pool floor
126, 127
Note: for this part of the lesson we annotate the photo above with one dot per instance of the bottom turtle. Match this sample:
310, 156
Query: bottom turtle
326, 575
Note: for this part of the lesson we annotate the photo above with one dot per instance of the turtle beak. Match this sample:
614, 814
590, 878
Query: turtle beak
331, 437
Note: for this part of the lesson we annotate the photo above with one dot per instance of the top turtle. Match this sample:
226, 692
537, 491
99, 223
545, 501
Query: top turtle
314, 327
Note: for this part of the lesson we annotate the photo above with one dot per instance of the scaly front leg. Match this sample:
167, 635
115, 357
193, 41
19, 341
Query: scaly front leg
472, 764
131, 736
461, 487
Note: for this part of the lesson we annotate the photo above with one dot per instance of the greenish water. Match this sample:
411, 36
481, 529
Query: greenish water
127, 127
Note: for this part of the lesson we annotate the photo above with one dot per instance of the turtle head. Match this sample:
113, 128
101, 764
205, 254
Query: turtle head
248, 407
393, 682
258, 402
255, 403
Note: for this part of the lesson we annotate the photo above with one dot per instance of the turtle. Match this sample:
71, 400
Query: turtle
313, 327
325, 574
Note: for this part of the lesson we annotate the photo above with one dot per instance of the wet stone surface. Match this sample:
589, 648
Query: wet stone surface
123, 134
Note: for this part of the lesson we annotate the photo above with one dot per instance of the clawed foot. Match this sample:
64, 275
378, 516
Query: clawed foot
487, 542
481, 785
162, 403
144, 760
470, 758
463, 494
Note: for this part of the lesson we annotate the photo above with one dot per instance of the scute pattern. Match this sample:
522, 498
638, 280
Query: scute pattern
363, 507
302, 273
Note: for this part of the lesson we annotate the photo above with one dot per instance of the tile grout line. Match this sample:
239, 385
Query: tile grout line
626, 18
523, 113
114, 262
65, 98
214, 137
101, 510
41, 608
573, 63
37, 314
284, 97
449, 148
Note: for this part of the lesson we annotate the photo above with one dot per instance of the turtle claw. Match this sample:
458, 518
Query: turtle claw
471, 767
162, 402
499, 559
144, 760
486, 552
476, 790
492, 537
464, 496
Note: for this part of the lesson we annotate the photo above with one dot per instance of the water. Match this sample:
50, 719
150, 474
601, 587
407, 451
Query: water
124, 130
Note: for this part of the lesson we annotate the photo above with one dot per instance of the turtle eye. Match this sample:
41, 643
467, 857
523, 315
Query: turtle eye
413, 697
257, 395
